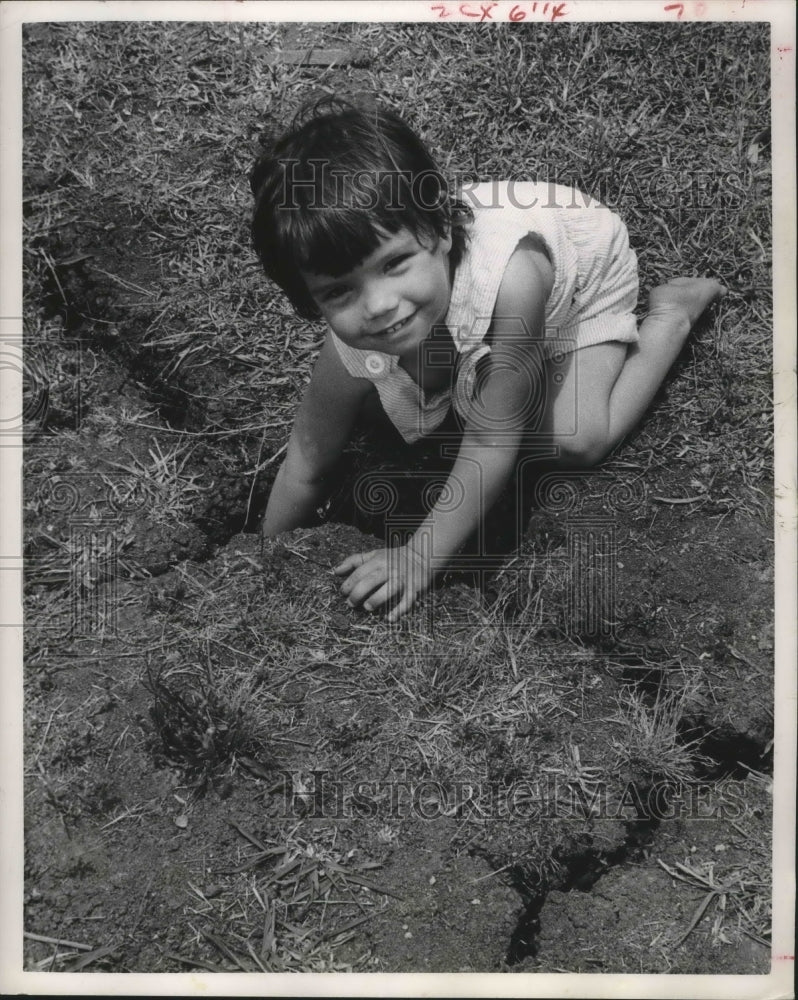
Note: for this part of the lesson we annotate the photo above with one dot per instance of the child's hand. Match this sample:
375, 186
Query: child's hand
382, 575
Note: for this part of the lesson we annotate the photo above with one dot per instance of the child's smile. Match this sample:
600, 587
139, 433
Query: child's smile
391, 301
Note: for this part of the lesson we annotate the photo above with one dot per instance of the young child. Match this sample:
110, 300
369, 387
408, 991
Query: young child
517, 310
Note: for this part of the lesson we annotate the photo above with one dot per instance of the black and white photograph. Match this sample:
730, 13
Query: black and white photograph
398, 438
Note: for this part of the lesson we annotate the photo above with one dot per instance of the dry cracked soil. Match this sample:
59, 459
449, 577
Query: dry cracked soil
559, 764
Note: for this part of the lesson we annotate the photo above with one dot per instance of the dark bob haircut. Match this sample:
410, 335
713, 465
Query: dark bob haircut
337, 183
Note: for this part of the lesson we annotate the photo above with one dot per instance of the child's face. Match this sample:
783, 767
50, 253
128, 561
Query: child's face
390, 301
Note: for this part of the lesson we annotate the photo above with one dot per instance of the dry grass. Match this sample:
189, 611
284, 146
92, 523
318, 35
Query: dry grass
166, 150
138, 141
289, 906
651, 744
732, 899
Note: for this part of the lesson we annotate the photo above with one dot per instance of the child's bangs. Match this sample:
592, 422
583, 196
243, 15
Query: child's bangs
334, 241
351, 213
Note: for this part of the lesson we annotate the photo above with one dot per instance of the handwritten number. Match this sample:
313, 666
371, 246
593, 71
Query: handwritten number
485, 11
678, 7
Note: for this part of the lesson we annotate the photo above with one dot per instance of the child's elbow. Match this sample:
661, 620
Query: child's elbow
584, 450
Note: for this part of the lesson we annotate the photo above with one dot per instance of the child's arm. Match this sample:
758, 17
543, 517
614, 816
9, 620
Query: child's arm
487, 455
321, 430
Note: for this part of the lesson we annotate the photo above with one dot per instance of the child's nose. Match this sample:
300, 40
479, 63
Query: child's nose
379, 299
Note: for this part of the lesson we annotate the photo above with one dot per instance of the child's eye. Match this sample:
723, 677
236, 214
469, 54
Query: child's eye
333, 294
397, 261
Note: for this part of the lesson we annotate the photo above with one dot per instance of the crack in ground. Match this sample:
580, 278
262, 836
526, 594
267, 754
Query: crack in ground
722, 755
579, 871
75, 294
90, 313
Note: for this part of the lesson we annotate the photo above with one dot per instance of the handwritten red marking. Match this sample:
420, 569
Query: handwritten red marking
679, 7
483, 14
495, 11
557, 10
784, 958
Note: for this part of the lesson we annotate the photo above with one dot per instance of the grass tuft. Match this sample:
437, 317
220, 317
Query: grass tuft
201, 727
651, 745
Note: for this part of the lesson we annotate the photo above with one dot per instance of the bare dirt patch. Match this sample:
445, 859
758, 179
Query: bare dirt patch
269, 696
227, 768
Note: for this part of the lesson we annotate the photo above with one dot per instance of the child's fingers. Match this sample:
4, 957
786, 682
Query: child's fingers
352, 562
358, 575
364, 584
385, 593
